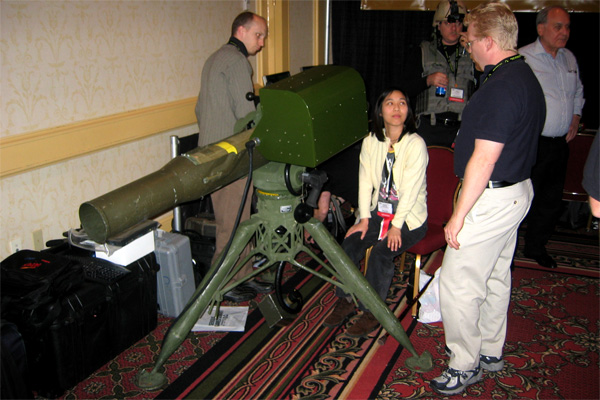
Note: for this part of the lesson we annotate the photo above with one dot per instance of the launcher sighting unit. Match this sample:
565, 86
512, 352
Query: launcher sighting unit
301, 122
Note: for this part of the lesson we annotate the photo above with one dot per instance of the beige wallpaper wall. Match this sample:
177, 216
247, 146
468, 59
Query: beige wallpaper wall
69, 61
301, 39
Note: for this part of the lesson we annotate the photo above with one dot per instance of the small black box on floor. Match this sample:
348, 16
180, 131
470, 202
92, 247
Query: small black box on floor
273, 313
71, 332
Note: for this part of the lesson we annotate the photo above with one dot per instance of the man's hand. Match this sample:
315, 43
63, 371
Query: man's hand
437, 79
573, 128
595, 207
451, 230
463, 40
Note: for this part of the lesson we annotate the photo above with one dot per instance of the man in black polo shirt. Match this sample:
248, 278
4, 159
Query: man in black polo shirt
495, 150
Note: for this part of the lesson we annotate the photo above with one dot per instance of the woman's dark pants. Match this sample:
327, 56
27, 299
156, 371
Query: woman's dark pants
381, 266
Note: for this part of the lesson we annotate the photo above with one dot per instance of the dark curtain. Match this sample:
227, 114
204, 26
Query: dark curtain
378, 44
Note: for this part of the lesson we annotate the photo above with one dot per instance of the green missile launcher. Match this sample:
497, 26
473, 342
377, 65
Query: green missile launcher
310, 117
302, 121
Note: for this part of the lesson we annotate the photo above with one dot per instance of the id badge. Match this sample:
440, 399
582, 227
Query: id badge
457, 95
384, 207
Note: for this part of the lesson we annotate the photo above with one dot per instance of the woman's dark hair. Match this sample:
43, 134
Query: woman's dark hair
377, 118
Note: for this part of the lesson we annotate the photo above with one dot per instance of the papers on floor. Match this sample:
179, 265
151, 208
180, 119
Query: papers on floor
230, 319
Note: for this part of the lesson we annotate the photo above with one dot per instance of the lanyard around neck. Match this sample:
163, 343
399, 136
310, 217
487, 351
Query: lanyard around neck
388, 172
501, 63
454, 68
238, 45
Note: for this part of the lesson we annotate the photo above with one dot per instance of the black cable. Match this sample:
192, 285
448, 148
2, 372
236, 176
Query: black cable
294, 296
250, 145
288, 181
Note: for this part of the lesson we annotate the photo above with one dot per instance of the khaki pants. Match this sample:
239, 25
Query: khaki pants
226, 203
475, 280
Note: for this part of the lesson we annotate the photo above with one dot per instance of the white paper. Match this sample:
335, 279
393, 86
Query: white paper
231, 319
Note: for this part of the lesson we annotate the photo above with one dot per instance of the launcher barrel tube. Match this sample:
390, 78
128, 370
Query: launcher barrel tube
184, 178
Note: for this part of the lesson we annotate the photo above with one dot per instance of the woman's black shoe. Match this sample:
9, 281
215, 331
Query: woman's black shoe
240, 294
259, 286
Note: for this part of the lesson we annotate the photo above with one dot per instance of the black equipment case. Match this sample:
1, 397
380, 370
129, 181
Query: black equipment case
73, 328
13, 369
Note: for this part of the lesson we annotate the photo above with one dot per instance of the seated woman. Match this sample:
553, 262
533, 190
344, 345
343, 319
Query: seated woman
391, 202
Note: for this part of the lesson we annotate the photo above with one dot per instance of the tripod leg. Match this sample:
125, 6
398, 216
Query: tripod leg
355, 283
198, 304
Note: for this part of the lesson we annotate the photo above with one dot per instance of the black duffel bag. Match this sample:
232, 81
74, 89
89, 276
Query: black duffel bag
33, 282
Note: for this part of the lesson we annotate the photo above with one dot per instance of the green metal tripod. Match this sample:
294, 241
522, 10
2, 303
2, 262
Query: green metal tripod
278, 228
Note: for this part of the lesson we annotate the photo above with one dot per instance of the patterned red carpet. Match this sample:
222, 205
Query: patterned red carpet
552, 349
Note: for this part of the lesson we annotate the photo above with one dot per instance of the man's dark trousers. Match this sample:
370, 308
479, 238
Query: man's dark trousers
548, 178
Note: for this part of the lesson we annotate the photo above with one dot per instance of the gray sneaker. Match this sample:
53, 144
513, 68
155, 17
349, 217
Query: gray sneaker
453, 381
493, 364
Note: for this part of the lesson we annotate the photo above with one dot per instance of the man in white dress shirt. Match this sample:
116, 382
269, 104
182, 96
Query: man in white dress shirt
557, 71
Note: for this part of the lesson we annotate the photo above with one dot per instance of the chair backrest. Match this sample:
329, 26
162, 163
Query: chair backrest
579, 148
273, 78
188, 143
441, 184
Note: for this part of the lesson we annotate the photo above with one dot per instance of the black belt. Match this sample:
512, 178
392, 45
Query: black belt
499, 184
443, 121
447, 122
553, 138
